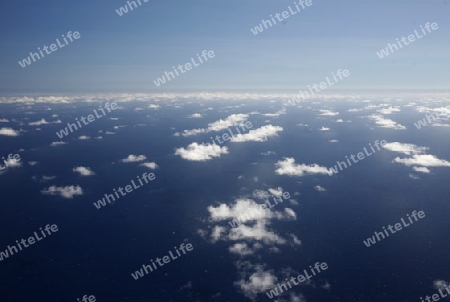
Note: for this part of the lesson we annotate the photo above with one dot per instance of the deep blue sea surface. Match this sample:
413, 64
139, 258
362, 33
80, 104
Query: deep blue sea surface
95, 251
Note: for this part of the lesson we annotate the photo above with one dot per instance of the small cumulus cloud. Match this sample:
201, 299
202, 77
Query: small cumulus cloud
386, 123
54, 144
133, 158
201, 152
151, 165
288, 166
258, 135
65, 192
84, 171
9, 132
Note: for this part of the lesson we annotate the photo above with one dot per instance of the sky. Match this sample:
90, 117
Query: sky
127, 53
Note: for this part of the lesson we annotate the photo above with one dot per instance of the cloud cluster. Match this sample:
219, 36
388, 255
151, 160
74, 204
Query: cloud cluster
424, 160
133, 158
258, 135
151, 165
232, 120
201, 152
258, 282
288, 166
54, 144
328, 112
389, 110
65, 192
39, 123
419, 160
408, 149
386, 123
9, 132
84, 171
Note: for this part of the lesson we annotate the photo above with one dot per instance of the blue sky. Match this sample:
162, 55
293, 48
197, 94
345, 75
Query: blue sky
126, 53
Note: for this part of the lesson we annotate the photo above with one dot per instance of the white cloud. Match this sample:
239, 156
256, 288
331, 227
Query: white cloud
276, 114
38, 123
44, 178
241, 249
258, 282
256, 232
278, 192
253, 221
9, 132
84, 171
54, 144
320, 189
3, 120
290, 213
421, 169
295, 239
196, 115
151, 165
389, 110
260, 194
324, 129
328, 112
83, 137
289, 167
197, 152
10, 163
424, 160
133, 158
268, 153
257, 135
408, 149
153, 106
66, 192
440, 284
193, 132
386, 123
232, 120
242, 206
